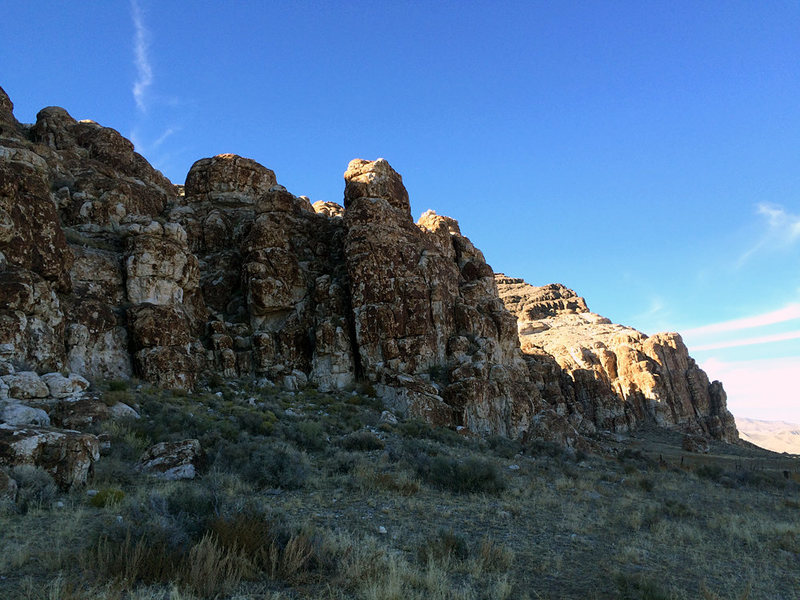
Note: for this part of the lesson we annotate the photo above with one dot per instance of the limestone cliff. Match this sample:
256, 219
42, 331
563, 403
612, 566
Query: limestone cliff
108, 270
617, 377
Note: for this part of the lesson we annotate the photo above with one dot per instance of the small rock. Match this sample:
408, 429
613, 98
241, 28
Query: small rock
382, 530
513, 467
388, 418
59, 504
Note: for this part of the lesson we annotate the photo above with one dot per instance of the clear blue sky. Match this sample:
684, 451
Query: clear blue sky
645, 154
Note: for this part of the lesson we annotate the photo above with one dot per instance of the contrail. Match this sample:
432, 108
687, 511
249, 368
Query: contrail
143, 69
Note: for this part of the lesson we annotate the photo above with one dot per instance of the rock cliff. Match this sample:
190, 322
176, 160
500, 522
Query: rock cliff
616, 377
108, 270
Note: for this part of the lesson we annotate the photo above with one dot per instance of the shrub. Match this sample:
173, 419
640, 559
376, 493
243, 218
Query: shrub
447, 543
362, 441
35, 487
471, 475
493, 556
503, 446
309, 435
278, 465
711, 472
676, 509
638, 587
107, 497
117, 385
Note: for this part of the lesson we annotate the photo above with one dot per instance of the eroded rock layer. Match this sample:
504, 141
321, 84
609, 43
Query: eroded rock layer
617, 377
107, 270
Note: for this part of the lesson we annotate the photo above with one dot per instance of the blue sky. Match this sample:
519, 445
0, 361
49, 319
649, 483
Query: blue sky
643, 153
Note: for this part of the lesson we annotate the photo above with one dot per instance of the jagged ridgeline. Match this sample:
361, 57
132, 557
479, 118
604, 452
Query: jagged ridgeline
110, 271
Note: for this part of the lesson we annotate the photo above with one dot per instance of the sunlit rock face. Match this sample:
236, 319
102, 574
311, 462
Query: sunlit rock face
108, 270
618, 378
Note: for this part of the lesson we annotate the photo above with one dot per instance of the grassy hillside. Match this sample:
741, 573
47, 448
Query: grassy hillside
311, 495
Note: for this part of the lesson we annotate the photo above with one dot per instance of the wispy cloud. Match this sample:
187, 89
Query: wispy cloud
787, 313
163, 137
144, 70
751, 341
782, 230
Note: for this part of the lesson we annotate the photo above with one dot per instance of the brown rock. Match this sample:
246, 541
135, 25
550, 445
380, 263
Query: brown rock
375, 179
67, 455
620, 378
228, 179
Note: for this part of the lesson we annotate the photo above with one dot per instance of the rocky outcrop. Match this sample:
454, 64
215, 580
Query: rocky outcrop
67, 455
618, 378
107, 270
172, 460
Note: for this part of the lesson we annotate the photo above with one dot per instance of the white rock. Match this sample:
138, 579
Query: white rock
388, 418
25, 384
63, 387
382, 530
18, 414
120, 410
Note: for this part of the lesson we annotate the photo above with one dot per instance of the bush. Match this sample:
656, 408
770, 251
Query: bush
35, 487
107, 497
362, 441
503, 446
447, 543
278, 465
471, 475
309, 435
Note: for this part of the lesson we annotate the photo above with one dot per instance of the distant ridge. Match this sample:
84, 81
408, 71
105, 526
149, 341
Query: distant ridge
778, 436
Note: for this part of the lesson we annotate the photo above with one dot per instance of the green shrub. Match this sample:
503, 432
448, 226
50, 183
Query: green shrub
35, 487
639, 587
276, 465
363, 441
309, 435
504, 447
117, 385
107, 497
470, 475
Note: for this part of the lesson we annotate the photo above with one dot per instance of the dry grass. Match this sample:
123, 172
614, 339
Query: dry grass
391, 520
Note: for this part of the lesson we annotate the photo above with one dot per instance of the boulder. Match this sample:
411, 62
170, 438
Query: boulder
61, 386
67, 455
26, 384
18, 414
172, 460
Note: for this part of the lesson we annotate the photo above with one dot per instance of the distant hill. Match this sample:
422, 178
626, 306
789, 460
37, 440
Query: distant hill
778, 436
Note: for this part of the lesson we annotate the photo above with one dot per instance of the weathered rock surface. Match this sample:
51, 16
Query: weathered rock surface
618, 377
16, 413
107, 270
172, 460
67, 455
